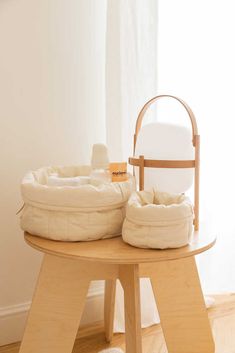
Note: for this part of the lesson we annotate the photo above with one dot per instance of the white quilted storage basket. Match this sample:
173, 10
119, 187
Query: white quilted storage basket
158, 220
92, 211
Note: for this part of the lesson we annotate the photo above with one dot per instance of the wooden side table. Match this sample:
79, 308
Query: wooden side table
68, 268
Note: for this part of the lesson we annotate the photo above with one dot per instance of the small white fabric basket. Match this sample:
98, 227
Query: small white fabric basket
90, 211
158, 220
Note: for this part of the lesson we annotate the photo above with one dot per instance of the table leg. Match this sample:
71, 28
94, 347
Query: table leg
109, 306
181, 306
129, 277
57, 307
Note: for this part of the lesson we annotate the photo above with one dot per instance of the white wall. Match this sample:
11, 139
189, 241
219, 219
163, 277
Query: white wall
51, 94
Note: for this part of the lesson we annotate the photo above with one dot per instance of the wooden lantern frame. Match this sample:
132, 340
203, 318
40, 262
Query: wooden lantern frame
142, 163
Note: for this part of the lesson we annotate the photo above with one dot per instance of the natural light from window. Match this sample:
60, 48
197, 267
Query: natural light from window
196, 56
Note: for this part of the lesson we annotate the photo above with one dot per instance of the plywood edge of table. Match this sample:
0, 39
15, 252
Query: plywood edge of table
116, 251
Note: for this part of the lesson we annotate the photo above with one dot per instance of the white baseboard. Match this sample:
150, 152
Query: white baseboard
13, 318
12, 323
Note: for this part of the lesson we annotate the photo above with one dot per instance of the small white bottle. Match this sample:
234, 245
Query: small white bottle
100, 163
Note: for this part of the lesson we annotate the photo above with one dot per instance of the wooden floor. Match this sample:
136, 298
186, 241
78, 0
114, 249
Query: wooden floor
222, 317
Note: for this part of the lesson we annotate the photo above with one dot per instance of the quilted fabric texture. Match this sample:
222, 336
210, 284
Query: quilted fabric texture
87, 212
158, 220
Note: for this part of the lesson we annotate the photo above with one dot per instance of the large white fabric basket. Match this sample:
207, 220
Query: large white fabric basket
92, 211
158, 220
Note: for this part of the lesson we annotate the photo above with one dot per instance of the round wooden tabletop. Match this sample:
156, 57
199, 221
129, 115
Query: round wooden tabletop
115, 251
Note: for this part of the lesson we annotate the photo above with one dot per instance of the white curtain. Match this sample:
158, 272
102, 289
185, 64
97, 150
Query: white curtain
196, 57
131, 77
131, 71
